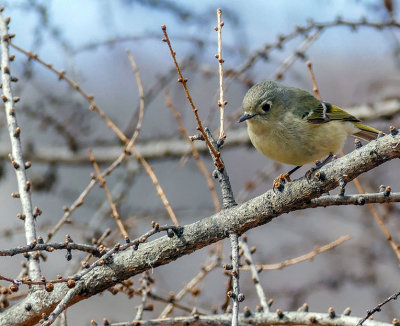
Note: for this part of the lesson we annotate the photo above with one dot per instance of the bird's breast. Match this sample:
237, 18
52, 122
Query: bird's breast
296, 143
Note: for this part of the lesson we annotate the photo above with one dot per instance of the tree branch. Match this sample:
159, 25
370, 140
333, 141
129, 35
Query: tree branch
238, 219
17, 160
258, 319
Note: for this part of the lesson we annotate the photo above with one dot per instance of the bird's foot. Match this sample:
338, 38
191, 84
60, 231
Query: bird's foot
318, 165
309, 173
279, 181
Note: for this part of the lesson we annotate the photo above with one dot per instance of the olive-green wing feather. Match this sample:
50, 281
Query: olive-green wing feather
326, 112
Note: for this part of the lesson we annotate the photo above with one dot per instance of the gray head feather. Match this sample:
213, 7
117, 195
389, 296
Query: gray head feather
264, 91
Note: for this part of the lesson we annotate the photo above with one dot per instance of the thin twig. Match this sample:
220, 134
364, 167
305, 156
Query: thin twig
205, 270
97, 242
303, 30
378, 308
178, 305
17, 160
216, 155
157, 185
226, 306
63, 304
314, 82
129, 146
377, 217
73, 84
254, 272
160, 83
50, 247
288, 318
141, 95
308, 256
299, 53
113, 206
195, 153
236, 296
260, 177
221, 102
358, 199
144, 293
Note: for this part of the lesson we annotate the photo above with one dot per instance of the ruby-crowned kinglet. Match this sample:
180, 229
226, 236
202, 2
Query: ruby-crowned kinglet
291, 126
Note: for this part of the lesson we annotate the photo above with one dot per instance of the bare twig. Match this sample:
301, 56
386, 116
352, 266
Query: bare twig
62, 305
160, 83
377, 217
141, 95
359, 199
289, 318
157, 185
299, 53
16, 157
315, 86
254, 272
302, 30
144, 293
378, 308
212, 263
129, 146
97, 242
216, 155
235, 295
195, 153
308, 256
113, 206
260, 177
50, 247
186, 308
73, 84
221, 102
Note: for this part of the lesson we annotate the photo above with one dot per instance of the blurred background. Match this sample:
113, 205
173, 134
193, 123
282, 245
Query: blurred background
354, 66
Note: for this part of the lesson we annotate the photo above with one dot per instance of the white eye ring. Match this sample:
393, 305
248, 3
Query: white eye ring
266, 106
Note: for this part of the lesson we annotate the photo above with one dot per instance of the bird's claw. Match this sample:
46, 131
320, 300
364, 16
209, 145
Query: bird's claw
309, 173
279, 181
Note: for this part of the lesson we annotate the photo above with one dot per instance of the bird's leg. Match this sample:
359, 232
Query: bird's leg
284, 177
318, 165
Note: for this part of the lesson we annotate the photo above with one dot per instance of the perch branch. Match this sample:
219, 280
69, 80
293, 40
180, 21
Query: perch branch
192, 237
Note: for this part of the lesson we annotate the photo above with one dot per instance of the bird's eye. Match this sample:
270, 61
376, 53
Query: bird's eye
266, 107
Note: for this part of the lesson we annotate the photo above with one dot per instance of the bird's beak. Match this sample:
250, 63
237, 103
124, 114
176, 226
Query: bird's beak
245, 117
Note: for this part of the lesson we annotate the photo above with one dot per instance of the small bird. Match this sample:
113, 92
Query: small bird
291, 126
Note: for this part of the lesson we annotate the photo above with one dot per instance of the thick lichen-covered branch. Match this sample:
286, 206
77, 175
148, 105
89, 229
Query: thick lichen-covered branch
204, 232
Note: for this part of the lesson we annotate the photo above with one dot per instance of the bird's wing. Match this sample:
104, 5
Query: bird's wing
326, 112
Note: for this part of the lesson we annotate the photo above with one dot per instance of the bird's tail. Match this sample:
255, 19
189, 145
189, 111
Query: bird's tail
366, 132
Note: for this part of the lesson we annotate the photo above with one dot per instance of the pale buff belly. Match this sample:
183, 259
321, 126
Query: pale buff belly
305, 144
